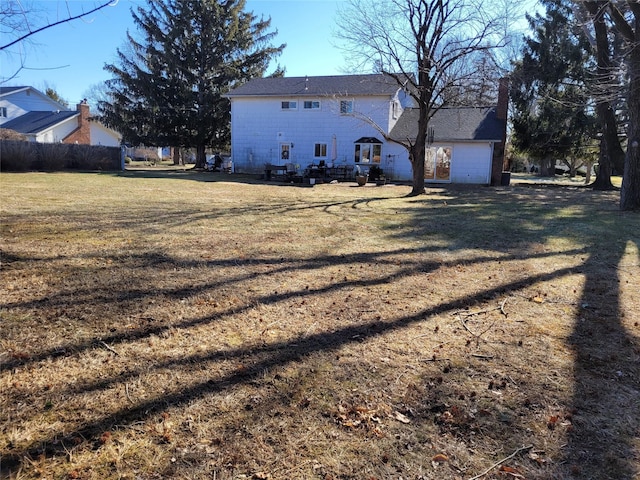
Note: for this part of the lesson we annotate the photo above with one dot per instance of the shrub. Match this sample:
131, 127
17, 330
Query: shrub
16, 155
52, 156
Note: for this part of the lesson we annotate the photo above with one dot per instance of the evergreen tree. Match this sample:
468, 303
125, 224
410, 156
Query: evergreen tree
52, 94
553, 113
168, 88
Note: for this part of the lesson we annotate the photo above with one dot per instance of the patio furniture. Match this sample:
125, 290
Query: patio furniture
270, 168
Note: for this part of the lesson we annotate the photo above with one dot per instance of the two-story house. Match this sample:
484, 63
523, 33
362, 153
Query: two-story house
353, 120
30, 112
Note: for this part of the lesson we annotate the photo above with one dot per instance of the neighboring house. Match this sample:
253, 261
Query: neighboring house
330, 119
42, 119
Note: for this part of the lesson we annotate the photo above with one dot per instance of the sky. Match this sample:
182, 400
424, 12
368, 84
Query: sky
70, 57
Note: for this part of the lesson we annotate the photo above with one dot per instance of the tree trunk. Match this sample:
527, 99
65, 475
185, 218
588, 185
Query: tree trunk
587, 177
630, 193
416, 156
201, 157
603, 175
611, 152
547, 168
175, 154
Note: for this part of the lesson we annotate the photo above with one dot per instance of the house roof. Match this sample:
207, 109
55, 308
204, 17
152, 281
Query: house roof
453, 124
7, 90
34, 122
354, 85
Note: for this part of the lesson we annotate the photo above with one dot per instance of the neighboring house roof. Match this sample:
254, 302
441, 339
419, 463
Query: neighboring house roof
34, 122
453, 124
8, 90
354, 85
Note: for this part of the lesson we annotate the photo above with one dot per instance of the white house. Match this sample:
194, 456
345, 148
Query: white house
348, 120
42, 119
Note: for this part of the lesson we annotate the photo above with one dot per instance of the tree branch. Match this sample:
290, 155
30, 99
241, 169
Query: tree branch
621, 23
110, 3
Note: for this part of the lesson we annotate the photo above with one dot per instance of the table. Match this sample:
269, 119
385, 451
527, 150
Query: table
268, 168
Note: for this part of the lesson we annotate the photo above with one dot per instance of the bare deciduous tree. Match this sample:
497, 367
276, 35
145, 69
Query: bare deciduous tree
426, 45
20, 20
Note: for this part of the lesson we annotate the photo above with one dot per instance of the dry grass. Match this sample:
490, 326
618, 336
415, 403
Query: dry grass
198, 326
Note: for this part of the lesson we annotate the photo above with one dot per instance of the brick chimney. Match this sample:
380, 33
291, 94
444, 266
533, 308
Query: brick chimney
499, 164
503, 99
82, 134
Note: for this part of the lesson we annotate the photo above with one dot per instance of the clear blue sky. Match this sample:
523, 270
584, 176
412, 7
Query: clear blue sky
69, 58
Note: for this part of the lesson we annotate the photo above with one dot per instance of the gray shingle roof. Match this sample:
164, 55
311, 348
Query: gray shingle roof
33, 122
373, 84
453, 124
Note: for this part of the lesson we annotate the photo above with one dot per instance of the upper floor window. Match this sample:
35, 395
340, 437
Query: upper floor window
394, 109
3, 112
311, 105
289, 105
346, 106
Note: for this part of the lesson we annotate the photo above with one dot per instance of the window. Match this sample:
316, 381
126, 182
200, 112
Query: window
311, 105
394, 110
368, 152
346, 107
320, 150
3, 112
289, 105
437, 163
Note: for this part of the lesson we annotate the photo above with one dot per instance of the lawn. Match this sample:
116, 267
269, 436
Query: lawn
189, 325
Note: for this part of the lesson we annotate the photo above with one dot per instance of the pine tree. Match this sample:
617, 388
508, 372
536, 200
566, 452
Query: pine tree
168, 87
553, 114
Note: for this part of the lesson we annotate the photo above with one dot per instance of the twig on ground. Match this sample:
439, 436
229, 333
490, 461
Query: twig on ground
502, 307
497, 464
484, 357
477, 335
126, 391
104, 344
466, 313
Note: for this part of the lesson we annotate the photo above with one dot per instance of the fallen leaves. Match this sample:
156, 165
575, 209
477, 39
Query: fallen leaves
440, 458
510, 471
368, 417
401, 417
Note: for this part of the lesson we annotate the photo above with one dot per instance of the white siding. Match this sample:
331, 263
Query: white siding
470, 162
24, 101
100, 135
260, 125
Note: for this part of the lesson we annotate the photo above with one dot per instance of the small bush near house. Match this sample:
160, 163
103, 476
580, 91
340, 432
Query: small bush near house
6, 134
144, 154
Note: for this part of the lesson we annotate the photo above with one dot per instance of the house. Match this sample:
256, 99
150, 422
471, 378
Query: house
42, 119
352, 120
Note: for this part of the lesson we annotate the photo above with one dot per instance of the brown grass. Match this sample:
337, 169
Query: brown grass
198, 326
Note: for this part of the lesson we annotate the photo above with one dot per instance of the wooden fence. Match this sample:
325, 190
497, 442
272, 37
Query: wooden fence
20, 156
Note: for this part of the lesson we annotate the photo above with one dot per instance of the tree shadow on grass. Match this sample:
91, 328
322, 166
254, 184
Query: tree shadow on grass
603, 416
258, 360
430, 223
605, 439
